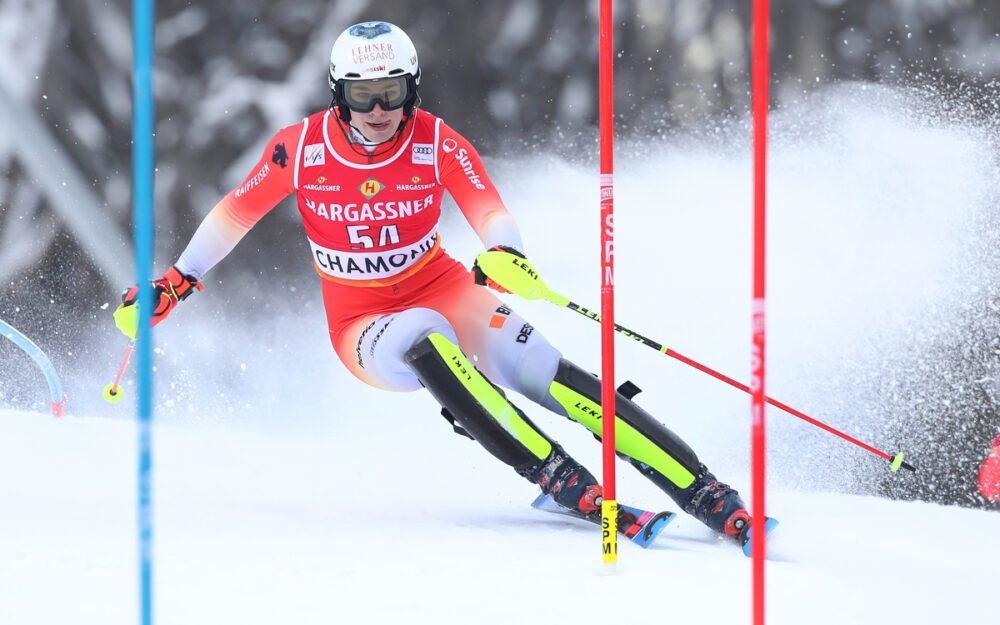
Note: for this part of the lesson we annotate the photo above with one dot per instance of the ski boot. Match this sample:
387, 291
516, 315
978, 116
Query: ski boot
717, 505
720, 507
569, 488
568, 483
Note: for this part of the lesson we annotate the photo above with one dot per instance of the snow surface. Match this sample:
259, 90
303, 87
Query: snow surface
288, 492
254, 528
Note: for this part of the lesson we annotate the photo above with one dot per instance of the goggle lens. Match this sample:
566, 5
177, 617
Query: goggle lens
389, 93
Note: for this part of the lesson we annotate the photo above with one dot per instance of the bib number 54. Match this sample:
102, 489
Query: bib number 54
387, 235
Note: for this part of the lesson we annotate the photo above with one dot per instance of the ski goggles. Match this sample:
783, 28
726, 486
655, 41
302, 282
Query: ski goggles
389, 93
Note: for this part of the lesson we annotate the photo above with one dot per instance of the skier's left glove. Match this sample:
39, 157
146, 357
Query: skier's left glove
509, 270
172, 288
480, 276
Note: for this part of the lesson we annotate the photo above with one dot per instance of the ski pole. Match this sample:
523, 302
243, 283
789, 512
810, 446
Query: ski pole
112, 392
520, 277
127, 320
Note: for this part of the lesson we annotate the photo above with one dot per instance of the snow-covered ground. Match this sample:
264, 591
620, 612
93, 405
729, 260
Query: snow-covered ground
286, 491
362, 526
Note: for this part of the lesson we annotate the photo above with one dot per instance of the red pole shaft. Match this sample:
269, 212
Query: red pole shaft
761, 98
606, 114
121, 369
774, 402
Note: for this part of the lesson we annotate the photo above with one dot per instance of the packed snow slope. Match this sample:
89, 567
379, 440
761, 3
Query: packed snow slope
287, 491
390, 519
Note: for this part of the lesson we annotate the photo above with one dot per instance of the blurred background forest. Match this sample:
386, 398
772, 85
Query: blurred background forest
512, 75
517, 77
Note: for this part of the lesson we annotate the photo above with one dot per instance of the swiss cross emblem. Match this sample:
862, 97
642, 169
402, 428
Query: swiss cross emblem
370, 188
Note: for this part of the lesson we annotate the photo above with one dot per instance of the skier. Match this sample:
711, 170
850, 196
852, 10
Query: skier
369, 174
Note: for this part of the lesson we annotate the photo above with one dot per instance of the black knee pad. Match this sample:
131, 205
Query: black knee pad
479, 407
647, 443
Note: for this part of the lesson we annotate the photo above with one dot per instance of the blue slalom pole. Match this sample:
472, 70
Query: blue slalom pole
58, 403
142, 206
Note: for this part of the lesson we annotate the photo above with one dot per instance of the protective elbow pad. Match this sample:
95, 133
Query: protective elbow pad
652, 448
480, 408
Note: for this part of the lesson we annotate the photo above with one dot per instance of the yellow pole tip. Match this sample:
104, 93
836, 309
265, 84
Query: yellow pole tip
897, 461
113, 395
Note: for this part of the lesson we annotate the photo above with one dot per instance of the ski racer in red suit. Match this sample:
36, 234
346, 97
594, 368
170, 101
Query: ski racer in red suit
369, 174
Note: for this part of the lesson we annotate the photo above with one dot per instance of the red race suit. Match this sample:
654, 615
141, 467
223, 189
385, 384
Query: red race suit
371, 219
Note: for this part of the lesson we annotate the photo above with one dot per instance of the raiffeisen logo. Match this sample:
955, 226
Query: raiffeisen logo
463, 159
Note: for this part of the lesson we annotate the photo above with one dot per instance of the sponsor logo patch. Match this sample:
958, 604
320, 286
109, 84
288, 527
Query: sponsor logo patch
385, 321
369, 30
280, 156
463, 159
314, 154
375, 211
423, 153
525, 332
497, 321
319, 186
256, 180
370, 188
449, 145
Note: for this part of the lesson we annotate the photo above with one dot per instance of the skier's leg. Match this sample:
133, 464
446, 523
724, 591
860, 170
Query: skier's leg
485, 413
654, 450
417, 347
514, 354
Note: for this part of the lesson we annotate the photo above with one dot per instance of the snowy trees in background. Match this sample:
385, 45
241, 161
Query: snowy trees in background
509, 73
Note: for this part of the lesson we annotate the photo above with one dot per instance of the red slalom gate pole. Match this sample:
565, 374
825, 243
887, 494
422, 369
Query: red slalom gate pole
761, 98
609, 506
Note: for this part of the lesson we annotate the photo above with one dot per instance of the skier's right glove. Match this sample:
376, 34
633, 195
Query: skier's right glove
172, 288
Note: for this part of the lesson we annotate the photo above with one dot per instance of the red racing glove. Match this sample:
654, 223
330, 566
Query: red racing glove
167, 292
480, 276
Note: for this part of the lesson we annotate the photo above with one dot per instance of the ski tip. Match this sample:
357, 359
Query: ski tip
769, 525
652, 529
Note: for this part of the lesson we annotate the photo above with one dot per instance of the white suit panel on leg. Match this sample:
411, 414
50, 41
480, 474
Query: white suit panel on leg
384, 343
518, 357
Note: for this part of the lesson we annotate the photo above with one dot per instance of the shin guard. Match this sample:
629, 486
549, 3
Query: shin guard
479, 407
647, 444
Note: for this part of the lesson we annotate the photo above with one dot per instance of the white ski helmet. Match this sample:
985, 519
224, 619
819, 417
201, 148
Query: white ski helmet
373, 51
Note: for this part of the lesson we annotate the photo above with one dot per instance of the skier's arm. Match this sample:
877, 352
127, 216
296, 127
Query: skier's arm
269, 182
463, 175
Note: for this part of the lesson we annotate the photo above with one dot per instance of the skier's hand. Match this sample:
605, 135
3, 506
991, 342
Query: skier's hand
480, 276
508, 269
167, 292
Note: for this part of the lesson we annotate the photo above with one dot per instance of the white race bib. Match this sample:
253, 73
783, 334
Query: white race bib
361, 265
